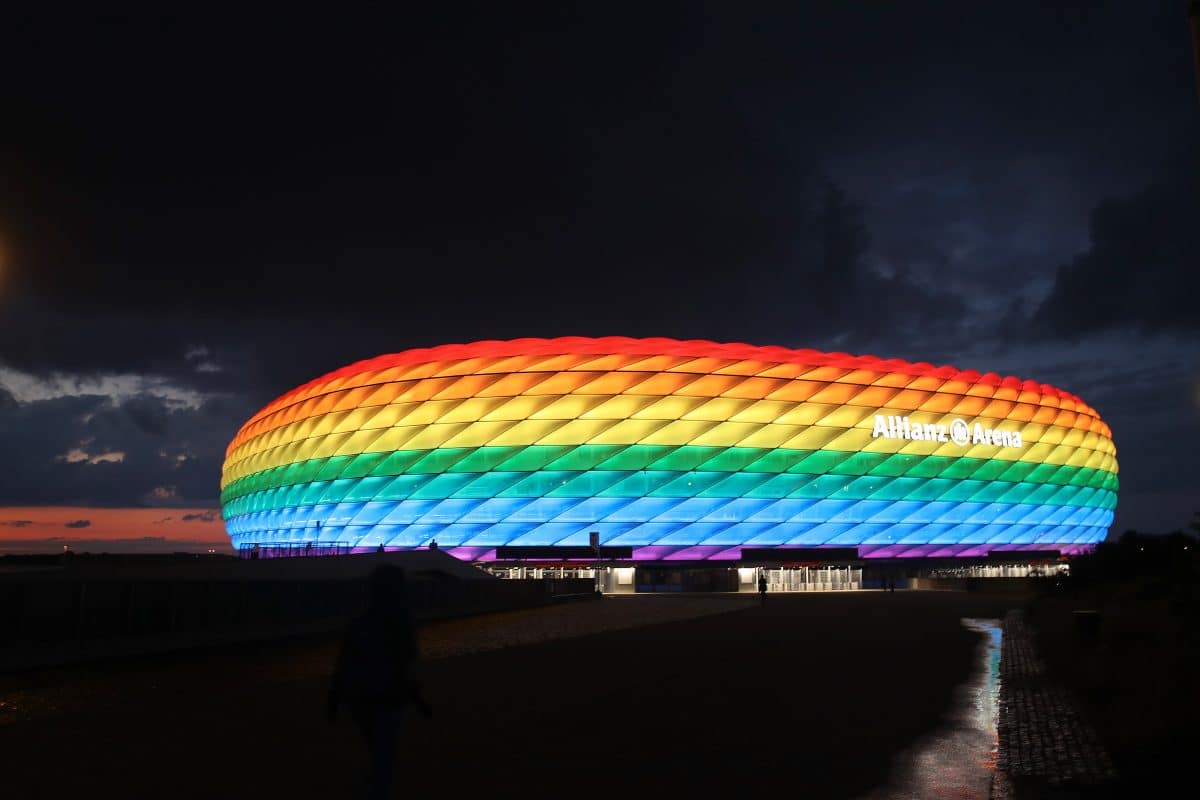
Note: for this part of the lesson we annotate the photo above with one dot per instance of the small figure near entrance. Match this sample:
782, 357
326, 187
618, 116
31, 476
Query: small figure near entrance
762, 588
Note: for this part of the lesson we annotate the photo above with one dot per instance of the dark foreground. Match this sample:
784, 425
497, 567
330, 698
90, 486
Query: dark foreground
814, 694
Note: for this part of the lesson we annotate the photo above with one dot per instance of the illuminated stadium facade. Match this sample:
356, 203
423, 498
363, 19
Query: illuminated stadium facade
678, 450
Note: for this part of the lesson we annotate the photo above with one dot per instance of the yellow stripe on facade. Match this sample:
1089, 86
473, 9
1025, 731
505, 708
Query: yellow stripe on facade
437, 414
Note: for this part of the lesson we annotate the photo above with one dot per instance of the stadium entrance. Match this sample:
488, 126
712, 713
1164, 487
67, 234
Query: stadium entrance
786, 569
803, 578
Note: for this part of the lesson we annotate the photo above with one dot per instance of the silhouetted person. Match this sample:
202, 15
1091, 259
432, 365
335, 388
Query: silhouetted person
374, 675
762, 588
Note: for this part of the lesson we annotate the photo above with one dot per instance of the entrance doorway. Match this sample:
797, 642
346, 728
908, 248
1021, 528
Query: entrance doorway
830, 578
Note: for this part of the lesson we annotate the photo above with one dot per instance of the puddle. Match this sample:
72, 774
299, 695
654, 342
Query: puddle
959, 759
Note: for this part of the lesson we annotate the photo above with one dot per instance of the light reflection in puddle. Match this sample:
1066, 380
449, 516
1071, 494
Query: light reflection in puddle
959, 759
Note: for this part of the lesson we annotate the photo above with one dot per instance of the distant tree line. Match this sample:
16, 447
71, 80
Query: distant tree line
1172, 557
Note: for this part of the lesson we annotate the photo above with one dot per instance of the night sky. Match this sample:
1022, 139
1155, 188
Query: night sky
197, 214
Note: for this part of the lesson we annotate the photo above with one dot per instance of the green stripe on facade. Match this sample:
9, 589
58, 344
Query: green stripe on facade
684, 458
1097, 489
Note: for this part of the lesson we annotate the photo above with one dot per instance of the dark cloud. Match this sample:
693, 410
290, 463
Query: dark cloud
667, 153
176, 464
664, 177
187, 242
17, 523
78, 523
204, 516
1140, 271
150, 416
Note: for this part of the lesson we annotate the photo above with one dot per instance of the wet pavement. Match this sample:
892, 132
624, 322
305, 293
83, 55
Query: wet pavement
958, 760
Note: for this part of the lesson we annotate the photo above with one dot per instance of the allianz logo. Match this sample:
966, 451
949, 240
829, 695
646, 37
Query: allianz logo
958, 432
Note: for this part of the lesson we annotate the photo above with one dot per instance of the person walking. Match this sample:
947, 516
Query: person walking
762, 587
374, 677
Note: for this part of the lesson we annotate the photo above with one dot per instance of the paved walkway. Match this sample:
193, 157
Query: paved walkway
1045, 743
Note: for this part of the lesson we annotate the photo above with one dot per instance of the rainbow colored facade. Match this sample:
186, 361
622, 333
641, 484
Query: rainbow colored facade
681, 449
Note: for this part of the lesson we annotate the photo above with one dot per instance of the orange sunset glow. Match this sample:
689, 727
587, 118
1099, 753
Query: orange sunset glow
46, 529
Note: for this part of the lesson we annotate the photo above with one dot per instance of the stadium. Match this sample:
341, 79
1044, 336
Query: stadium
667, 452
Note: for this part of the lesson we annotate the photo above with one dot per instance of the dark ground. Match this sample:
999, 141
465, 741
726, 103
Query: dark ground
1131, 657
1135, 676
813, 693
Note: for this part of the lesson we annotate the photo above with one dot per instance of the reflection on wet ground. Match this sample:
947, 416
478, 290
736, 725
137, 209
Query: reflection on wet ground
959, 760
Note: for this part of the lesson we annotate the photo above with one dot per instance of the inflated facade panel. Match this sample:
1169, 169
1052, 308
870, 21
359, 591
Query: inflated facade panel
682, 449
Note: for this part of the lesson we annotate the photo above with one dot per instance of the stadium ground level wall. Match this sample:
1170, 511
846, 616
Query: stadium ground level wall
655, 577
